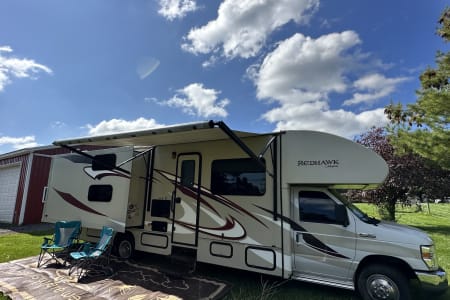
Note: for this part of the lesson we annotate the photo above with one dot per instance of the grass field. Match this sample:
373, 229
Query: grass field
20, 245
248, 285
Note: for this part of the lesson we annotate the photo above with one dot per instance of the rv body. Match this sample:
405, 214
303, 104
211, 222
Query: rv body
267, 203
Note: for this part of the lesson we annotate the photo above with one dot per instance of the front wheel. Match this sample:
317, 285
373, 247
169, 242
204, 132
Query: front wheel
381, 282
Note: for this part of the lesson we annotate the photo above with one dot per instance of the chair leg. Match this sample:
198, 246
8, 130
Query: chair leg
82, 267
72, 268
77, 268
41, 256
65, 256
41, 260
80, 274
53, 256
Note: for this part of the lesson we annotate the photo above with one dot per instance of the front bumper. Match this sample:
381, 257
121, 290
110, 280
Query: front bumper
435, 281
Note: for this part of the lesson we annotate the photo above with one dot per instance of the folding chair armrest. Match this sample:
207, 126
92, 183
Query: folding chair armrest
85, 247
47, 240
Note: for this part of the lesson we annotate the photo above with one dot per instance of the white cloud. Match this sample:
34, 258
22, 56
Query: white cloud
317, 116
19, 142
305, 67
197, 100
5, 49
176, 9
11, 67
302, 73
58, 124
242, 26
121, 125
376, 86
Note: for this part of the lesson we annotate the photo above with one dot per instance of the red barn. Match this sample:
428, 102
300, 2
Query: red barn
23, 177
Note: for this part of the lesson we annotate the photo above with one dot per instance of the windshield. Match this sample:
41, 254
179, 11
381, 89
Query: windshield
355, 210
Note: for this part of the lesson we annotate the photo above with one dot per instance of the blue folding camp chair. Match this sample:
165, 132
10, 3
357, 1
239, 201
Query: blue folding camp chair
90, 255
65, 236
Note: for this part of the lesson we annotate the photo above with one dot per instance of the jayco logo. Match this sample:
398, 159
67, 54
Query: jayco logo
325, 163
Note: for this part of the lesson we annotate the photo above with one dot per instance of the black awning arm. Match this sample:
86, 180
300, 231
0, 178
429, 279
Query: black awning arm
241, 144
77, 151
269, 143
135, 156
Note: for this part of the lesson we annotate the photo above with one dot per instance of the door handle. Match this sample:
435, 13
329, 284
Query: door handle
174, 201
367, 235
297, 237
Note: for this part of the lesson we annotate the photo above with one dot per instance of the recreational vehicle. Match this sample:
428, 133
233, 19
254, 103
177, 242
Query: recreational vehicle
268, 203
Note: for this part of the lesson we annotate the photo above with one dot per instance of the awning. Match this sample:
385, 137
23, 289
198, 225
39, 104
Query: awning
176, 134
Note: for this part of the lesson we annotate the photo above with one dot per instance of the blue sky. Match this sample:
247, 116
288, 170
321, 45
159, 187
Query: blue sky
78, 68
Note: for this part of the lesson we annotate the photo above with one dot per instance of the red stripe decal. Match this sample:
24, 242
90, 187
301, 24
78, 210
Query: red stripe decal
73, 201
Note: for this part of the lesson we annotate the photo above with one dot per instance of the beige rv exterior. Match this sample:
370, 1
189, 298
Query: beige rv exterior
260, 202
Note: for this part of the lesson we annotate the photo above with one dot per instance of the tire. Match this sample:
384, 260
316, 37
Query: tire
376, 282
124, 246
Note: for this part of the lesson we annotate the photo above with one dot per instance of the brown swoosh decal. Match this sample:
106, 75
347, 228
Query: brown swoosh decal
309, 239
207, 193
73, 201
221, 231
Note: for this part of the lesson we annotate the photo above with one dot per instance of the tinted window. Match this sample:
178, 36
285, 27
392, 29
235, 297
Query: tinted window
188, 173
160, 208
104, 162
238, 177
100, 193
316, 207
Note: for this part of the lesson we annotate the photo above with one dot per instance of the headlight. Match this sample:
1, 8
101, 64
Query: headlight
429, 256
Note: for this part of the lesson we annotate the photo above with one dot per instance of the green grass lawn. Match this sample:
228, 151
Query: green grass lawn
249, 285
20, 245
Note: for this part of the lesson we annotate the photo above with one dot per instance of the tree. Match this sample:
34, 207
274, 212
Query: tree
409, 174
423, 127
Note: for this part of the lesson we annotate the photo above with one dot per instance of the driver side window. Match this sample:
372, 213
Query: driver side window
316, 207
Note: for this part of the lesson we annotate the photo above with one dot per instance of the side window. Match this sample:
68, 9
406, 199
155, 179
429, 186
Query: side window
104, 162
100, 193
238, 177
316, 207
188, 173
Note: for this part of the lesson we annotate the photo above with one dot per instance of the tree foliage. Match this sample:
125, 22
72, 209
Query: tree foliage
410, 175
423, 127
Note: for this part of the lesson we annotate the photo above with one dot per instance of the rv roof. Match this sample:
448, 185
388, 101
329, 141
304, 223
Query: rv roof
182, 133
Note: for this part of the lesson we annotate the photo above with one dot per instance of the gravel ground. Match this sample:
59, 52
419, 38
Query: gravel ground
9, 229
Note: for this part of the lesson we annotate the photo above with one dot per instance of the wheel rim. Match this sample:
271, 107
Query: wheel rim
125, 249
381, 287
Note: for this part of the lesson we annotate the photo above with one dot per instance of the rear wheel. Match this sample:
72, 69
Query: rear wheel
381, 282
124, 245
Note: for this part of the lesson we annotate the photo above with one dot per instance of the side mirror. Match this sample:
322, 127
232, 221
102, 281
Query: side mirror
341, 215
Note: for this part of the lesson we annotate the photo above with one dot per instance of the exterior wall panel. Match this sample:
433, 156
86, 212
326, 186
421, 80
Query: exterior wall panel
38, 180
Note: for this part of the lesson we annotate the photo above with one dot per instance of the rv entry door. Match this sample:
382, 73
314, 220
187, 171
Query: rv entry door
185, 199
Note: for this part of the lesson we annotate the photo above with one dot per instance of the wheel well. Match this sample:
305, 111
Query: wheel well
385, 260
121, 236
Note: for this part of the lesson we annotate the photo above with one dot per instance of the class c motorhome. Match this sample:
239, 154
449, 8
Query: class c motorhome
267, 203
